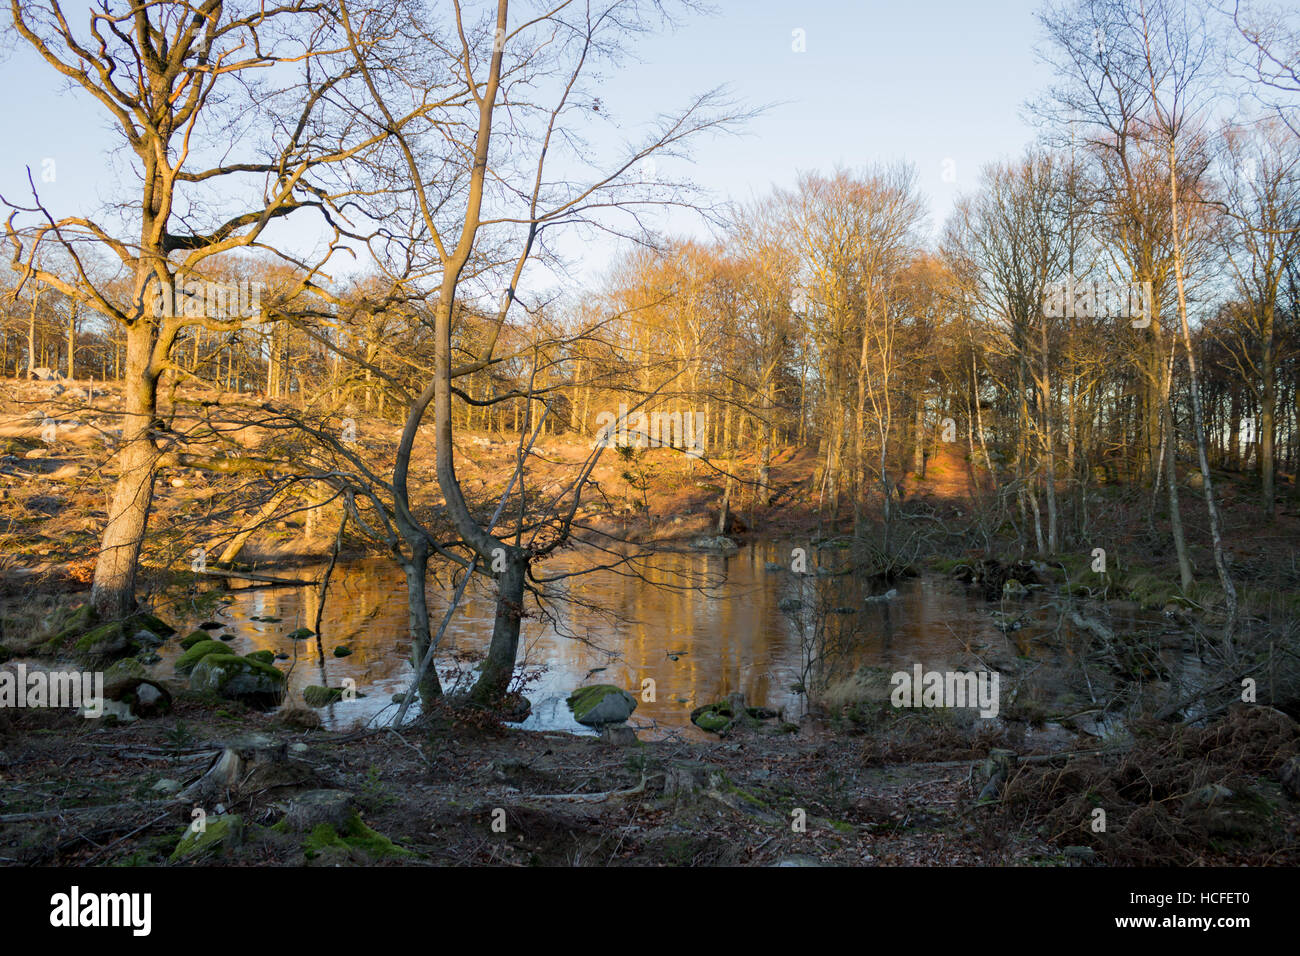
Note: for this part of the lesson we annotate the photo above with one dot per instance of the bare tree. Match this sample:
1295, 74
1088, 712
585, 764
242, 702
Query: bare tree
186, 84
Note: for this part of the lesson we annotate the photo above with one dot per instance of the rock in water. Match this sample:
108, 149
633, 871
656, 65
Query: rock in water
238, 678
720, 543
319, 696
601, 704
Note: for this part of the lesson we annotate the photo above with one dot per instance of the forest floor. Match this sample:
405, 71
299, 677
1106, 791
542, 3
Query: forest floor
459, 790
872, 787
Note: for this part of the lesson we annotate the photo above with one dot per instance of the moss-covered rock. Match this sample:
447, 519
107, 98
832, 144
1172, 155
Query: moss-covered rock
115, 639
152, 624
220, 835
194, 637
711, 719
342, 651
123, 676
127, 682
238, 678
318, 696
301, 634
723, 715
77, 623
353, 841
601, 704
197, 652
106, 642
266, 657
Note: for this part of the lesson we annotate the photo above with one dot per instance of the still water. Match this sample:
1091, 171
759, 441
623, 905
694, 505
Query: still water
700, 626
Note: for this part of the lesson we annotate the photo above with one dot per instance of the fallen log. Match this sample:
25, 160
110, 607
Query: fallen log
269, 579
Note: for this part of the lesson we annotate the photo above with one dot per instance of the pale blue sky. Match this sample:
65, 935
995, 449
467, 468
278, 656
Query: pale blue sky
927, 82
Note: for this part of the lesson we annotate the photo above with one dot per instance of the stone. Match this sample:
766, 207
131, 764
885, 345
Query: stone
618, 735
188, 660
720, 543
297, 718
723, 715
122, 677
220, 834
515, 708
107, 642
238, 678
306, 811
318, 696
1289, 774
600, 704
192, 638
149, 700
167, 787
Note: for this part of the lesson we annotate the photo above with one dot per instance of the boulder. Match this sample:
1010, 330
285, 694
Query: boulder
720, 543
1012, 588
187, 661
721, 716
306, 811
219, 835
318, 696
601, 704
515, 708
107, 642
1289, 774
238, 678
618, 735
167, 787
1223, 812
297, 718
192, 638
116, 639
127, 682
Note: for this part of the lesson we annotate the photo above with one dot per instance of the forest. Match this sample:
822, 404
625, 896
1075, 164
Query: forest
402, 410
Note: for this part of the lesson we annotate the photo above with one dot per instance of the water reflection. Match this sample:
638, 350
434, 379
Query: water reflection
699, 626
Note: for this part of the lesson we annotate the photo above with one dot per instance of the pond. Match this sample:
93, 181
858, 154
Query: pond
699, 625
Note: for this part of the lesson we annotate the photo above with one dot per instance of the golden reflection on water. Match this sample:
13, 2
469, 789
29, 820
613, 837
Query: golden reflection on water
700, 626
